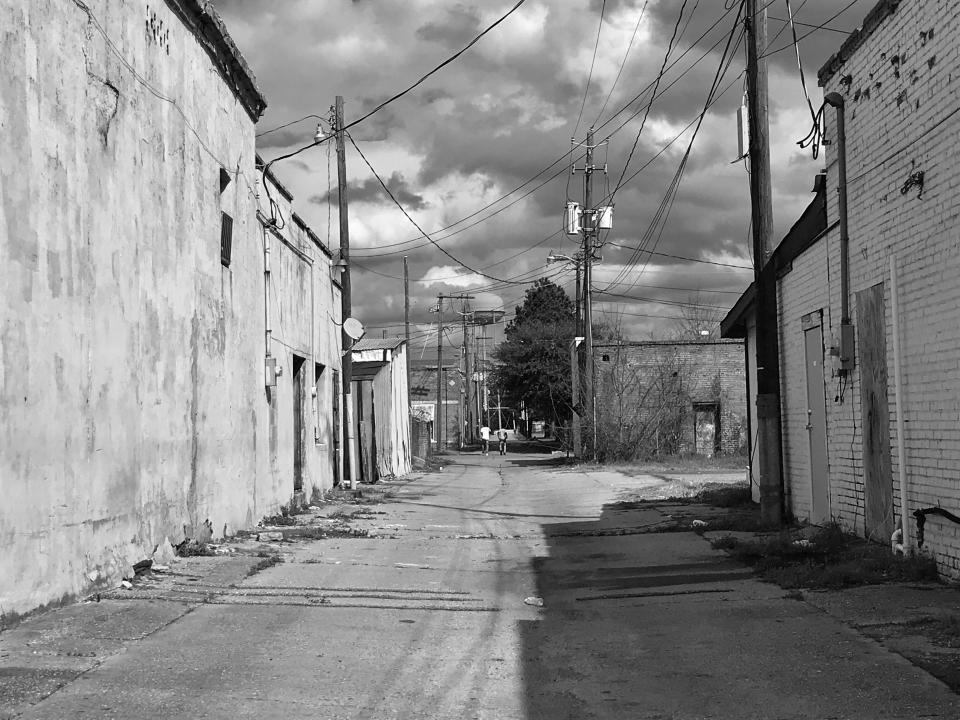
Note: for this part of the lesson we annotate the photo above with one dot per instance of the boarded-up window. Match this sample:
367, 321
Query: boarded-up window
226, 239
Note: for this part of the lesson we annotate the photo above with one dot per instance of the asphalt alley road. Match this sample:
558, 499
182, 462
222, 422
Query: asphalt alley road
429, 620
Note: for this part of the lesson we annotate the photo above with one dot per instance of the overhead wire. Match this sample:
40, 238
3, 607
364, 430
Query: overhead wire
653, 95
663, 210
683, 257
405, 91
586, 89
562, 160
564, 156
414, 222
821, 26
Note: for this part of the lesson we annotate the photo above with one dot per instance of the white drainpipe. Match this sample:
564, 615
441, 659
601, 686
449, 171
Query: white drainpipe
906, 545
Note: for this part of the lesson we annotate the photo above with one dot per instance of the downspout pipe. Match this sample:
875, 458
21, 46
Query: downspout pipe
901, 411
836, 100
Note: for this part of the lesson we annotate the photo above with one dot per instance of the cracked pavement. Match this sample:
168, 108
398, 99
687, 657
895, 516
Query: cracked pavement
432, 613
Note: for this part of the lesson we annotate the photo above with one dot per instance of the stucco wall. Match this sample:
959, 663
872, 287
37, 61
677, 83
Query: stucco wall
900, 86
132, 400
304, 306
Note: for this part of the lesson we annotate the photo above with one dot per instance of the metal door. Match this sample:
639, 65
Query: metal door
816, 418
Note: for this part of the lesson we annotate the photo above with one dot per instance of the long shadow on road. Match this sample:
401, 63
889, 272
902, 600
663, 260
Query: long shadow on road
581, 655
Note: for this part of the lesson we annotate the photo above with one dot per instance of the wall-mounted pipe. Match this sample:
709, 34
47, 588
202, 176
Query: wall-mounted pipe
921, 516
901, 404
846, 327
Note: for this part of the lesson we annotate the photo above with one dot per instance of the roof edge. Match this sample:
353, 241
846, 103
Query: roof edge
880, 12
202, 19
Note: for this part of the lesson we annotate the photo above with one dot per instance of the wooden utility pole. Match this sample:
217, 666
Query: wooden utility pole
588, 225
576, 437
406, 337
437, 416
346, 305
761, 207
469, 425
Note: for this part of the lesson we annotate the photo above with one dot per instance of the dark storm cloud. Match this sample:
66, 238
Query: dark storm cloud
371, 191
505, 110
460, 25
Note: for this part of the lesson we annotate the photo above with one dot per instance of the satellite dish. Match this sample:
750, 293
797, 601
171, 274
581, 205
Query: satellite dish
353, 328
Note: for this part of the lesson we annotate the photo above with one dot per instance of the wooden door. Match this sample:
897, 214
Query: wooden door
875, 414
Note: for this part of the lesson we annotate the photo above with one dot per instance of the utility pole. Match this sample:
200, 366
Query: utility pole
438, 419
578, 302
406, 336
484, 391
589, 223
467, 377
439, 407
761, 212
346, 305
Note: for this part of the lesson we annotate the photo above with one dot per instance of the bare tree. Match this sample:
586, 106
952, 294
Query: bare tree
700, 320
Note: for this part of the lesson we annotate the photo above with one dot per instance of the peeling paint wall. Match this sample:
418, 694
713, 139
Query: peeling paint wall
132, 400
305, 311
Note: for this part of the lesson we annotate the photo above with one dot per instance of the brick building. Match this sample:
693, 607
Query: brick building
659, 398
895, 79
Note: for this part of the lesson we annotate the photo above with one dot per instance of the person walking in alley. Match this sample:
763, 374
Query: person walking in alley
485, 438
502, 437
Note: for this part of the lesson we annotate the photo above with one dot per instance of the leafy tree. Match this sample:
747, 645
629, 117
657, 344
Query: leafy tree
533, 362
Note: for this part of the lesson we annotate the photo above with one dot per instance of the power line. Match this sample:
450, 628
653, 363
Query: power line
816, 27
623, 63
682, 257
682, 289
667, 203
292, 122
658, 301
653, 95
400, 94
562, 158
822, 26
593, 60
414, 222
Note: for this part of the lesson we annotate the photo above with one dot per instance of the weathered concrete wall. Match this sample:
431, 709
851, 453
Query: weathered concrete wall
132, 400
304, 305
899, 81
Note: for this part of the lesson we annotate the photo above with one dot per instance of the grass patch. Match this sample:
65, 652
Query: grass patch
337, 531
684, 464
266, 560
830, 559
725, 496
363, 495
193, 548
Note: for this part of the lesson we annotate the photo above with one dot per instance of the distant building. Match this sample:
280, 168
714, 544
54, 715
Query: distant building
382, 408
423, 399
156, 383
665, 398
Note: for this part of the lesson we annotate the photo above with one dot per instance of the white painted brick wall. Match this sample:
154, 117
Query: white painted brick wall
904, 85
803, 290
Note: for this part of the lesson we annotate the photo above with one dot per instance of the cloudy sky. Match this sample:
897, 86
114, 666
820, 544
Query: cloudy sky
479, 154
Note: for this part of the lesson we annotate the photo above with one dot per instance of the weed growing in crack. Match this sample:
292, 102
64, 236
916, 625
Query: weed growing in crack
831, 558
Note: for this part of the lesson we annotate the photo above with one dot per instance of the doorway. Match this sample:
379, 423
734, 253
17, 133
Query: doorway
706, 429
298, 388
812, 325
